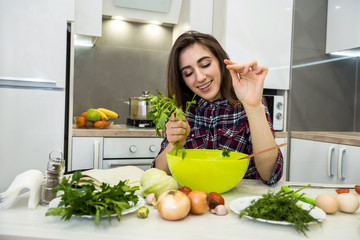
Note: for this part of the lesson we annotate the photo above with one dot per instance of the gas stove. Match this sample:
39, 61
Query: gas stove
140, 123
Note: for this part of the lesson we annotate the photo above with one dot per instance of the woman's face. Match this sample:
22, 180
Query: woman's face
201, 71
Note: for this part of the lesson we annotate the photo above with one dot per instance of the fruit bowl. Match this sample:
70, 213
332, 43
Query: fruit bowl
207, 170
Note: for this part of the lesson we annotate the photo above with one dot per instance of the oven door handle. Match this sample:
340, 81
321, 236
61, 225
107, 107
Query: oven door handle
137, 163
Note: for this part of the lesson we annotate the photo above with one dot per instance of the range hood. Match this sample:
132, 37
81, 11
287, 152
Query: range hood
146, 11
149, 5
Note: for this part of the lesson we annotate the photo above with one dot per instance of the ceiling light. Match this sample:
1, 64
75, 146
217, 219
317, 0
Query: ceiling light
155, 22
117, 18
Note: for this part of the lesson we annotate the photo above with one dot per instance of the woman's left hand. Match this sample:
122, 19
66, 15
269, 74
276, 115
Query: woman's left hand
248, 81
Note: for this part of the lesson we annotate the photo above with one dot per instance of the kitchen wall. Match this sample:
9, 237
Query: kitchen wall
325, 90
128, 58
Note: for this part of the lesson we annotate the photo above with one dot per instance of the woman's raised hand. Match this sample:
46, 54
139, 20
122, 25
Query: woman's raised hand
248, 81
177, 130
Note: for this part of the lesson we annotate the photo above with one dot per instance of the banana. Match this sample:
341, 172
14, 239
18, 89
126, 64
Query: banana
108, 112
103, 115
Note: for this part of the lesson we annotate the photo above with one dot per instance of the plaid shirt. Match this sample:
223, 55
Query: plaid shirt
218, 125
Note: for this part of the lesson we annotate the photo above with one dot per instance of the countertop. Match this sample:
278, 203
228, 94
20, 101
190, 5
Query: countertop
347, 138
20, 223
122, 130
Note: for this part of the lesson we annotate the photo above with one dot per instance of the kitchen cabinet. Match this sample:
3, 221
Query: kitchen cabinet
33, 40
88, 17
261, 33
343, 25
110, 152
323, 162
87, 152
195, 15
136, 10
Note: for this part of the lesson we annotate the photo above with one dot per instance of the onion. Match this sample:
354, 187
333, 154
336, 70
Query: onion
199, 202
173, 205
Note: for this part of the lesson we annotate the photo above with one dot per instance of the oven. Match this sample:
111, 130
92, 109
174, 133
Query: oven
134, 151
276, 108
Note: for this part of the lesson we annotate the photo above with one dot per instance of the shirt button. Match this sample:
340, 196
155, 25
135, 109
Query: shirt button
192, 135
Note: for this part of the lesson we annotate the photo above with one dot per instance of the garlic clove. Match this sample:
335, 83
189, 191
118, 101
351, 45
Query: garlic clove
220, 210
151, 199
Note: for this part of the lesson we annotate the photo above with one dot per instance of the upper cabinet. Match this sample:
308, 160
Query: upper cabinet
164, 11
343, 25
33, 39
195, 15
88, 17
261, 30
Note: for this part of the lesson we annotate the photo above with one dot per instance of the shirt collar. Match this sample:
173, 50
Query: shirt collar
203, 104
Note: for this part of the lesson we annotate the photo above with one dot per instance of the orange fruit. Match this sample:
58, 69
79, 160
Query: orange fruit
99, 124
83, 114
80, 121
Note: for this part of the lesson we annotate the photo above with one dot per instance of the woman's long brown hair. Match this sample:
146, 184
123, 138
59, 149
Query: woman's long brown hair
175, 82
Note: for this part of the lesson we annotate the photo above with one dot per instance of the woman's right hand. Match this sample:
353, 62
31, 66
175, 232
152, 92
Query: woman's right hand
177, 130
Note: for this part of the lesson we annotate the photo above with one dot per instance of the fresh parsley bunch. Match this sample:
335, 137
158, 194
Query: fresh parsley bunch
82, 200
161, 109
281, 206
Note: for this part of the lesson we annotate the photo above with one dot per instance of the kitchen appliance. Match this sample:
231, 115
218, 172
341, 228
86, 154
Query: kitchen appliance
276, 108
34, 83
139, 152
138, 111
140, 123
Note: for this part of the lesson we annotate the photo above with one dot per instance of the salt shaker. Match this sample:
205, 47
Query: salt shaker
54, 173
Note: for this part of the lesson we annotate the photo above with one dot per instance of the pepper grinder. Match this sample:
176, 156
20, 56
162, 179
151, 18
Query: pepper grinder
54, 173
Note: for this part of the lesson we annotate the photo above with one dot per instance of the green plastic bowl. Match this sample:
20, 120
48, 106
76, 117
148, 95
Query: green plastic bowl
207, 170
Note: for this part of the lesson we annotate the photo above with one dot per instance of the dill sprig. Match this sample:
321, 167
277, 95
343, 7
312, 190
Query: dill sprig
281, 206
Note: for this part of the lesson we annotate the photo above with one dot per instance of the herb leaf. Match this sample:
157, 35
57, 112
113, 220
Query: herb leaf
225, 153
87, 201
280, 206
161, 109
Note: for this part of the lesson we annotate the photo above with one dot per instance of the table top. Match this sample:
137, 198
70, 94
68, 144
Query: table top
20, 223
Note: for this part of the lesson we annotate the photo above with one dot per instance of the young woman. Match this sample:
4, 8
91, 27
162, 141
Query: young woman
230, 112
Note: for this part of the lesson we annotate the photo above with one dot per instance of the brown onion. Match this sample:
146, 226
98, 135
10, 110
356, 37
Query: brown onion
199, 202
173, 205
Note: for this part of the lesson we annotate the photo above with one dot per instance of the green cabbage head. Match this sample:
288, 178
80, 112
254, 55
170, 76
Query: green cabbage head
156, 181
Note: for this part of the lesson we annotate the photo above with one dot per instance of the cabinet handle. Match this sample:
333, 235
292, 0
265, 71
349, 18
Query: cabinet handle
340, 163
330, 152
96, 154
127, 164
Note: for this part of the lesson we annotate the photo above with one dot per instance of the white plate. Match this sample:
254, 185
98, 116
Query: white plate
141, 202
241, 203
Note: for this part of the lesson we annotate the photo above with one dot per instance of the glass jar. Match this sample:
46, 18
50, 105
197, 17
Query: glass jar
54, 173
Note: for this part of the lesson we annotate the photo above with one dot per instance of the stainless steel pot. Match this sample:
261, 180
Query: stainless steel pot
138, 107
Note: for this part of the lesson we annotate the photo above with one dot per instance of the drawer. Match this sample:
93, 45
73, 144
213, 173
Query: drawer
143, 163
131, 147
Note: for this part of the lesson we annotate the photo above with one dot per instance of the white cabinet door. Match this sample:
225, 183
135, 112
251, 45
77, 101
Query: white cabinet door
87, 152
33, 39
88, 17
348, 164
321, 162
343, 25
261, 30
195, 15
312, 161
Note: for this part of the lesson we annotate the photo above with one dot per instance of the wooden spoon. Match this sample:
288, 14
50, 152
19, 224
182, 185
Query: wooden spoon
266, 150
